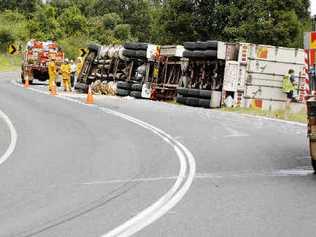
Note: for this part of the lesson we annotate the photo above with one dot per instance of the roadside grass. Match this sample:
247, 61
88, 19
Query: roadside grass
300, 116
10, 63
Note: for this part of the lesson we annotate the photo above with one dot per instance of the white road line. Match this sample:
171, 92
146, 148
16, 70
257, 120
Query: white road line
13, 135
172, 197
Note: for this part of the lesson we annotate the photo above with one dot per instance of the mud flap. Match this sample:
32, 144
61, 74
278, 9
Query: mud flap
312, 148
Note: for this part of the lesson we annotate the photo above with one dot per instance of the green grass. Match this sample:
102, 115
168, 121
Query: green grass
300, 116
10, 63
280, 114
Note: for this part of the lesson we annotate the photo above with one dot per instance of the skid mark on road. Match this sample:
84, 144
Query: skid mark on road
13, 137
168, 200
221, 175
234, 133
137, 180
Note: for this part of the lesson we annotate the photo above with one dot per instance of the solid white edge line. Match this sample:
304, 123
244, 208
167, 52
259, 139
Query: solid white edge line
13, 137
176, 198
168, 200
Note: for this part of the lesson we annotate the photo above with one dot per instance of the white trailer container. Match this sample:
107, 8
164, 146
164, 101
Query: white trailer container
261, 72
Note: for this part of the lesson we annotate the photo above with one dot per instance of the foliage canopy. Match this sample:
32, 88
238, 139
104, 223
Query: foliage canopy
75, 22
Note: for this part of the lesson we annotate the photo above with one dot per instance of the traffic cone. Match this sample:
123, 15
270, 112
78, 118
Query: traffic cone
53, 90
26, 83
90, 99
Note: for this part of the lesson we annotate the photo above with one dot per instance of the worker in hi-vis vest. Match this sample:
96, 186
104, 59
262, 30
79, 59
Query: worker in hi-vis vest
52, 73
65, 72
79, 65
288, 85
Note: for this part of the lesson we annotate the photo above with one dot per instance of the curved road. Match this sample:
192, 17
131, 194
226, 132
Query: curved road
77, 171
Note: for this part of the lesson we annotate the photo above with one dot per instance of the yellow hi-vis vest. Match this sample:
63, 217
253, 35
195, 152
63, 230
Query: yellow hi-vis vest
65, 71
287, 85
52, 70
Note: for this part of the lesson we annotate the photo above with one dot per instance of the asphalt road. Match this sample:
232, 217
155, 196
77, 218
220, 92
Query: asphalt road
77, 171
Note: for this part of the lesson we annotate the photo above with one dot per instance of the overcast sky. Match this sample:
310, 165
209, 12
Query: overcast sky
313, 7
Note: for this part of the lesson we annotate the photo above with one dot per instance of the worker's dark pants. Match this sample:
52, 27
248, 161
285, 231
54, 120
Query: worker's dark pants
72, 78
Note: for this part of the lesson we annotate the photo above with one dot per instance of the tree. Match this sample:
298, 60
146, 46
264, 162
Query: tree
123, 32
72, 21
276, 22
44, 25
177, 22
25, 6
13, 28
110, 20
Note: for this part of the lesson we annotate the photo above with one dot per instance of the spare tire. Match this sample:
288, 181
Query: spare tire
122, 92
136, 94
136, 46
123, 85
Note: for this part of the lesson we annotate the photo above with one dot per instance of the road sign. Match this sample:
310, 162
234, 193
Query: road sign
83, 52
12, 49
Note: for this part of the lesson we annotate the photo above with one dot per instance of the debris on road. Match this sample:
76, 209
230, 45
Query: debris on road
103, 88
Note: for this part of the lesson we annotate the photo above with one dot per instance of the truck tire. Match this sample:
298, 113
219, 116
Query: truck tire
136, 46
193, 101
94, 47
137, 87
136, 94
199, 45
180, 99
197, 102
205, 103
122, 92
141, 54
188, 92
200, 54
129, 53
203, 94
123, 85
135, 53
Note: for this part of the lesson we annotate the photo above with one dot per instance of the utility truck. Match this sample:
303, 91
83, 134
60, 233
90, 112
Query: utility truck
36, 57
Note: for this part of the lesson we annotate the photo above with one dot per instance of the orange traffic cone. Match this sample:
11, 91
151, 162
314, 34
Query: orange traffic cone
90, 99
53, 90
26, 83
